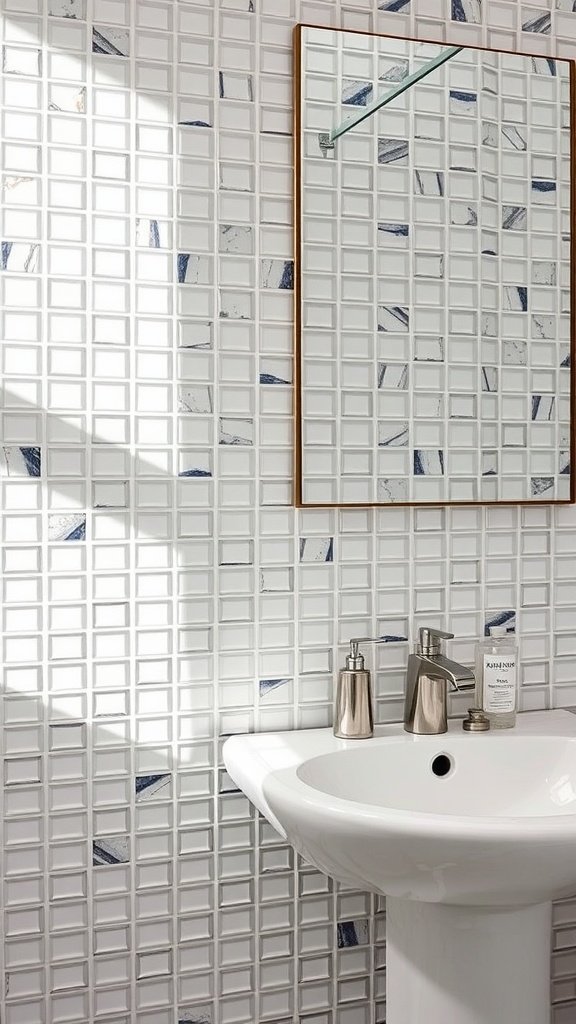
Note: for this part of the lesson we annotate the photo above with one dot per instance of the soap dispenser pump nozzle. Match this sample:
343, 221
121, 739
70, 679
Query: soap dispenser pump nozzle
355, 659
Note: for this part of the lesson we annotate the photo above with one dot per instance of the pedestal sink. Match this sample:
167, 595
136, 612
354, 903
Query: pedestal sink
470, 836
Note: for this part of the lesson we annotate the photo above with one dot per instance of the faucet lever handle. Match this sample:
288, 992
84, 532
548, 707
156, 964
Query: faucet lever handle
429, 640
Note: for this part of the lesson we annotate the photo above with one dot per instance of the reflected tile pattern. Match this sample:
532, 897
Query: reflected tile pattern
430, 359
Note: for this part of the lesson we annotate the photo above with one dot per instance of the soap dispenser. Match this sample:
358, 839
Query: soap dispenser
496, 675
353, 717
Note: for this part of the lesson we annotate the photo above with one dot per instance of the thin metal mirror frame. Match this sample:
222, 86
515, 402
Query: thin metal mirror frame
297, 128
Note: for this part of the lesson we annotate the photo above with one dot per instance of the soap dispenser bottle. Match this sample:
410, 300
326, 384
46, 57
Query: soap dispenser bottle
353, 716
497, 678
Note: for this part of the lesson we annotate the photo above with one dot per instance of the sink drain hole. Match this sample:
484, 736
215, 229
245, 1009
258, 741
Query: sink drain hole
442, 765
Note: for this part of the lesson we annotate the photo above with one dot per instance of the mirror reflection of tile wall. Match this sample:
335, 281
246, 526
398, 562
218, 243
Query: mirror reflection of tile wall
435, 276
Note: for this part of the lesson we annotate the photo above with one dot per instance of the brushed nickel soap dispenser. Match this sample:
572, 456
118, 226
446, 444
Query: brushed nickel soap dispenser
353, 716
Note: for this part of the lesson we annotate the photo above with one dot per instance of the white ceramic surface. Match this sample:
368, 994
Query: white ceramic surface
499, 829
469, 861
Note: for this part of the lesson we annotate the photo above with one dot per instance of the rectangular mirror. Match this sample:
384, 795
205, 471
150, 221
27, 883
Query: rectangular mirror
434, 273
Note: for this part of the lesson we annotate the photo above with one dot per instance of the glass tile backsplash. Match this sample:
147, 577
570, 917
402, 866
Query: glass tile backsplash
159, 589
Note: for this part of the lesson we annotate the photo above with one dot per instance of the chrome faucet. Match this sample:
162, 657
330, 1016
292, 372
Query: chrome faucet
427, 676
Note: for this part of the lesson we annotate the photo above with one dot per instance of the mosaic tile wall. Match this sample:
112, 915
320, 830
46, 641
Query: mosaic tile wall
435, 275
159, 590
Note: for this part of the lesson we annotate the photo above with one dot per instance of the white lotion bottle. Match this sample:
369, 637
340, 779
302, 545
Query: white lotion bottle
497, 678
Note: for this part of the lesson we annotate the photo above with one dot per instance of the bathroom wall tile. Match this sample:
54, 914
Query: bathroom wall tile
182, 562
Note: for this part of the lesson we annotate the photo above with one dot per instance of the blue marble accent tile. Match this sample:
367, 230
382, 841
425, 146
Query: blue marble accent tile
271, 378
429, 183
148, 233
356, 94
515, 137
19, 257
195, 473
191, 269
277, 274
463, 102
515, 218
547, 65
514, 352
565, 360
235, 87
195, 399
392, 638
490, 378
236, 431
16, 461
393, 376
564, 463
543, 407
5, 250
182, 261
64, 527
112, 41
353, 933
543, 187
195, 124
395, 319
396, 230
393, 151
543, 327
266, 686
428, 462
516, 297
392, 490
392, 435
467, 10
541, 485
394, 6
316, 549
238, 238
113, 850
489, 463
503, 618
148, 787
541, 23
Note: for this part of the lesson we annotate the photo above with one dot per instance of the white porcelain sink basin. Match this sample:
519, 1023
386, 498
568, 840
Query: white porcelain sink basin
497, 830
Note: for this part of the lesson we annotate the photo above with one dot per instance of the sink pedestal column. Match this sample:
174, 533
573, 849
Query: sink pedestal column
467, 965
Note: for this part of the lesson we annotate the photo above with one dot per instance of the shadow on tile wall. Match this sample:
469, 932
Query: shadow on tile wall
159, 590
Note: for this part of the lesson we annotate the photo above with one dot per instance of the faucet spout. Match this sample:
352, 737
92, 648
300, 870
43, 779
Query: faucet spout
460, 677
